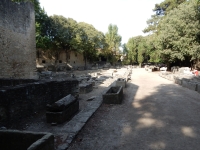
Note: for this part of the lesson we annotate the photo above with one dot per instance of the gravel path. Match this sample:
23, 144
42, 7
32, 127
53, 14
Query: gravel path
156, 114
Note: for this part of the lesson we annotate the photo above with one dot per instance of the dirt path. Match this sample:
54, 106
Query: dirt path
156, 114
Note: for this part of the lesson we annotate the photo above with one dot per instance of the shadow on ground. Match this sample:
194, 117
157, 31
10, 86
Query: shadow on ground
166, 118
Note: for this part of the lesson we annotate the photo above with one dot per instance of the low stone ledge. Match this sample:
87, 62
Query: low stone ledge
114, 95
15, 140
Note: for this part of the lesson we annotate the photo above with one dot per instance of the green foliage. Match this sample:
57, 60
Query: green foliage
63, 32
143, 49
167, 5
161, 10
152, 24
125, 49
136, 49
179, 33
175, 32
88, 40
132, 51
113, 40
43, 29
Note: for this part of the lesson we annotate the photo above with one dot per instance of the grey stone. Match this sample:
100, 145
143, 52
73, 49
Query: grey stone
62, 110
189, 85
63, 146
85, 88
113, 96
91, 98
18, 52
73, 127
177, 80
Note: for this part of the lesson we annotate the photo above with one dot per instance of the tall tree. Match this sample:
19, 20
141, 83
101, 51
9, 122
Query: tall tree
113, 40
132, 50
166, 6
161, 10
179, 33
88, 40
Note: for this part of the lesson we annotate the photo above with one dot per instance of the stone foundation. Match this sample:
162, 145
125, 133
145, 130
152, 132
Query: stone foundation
15, 140
22, 101
14, 82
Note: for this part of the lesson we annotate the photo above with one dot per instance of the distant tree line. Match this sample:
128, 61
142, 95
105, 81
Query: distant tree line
174, 35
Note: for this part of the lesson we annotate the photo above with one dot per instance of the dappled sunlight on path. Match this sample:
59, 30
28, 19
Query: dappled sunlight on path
155, 114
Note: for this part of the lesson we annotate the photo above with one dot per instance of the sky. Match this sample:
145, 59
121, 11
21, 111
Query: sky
130, 16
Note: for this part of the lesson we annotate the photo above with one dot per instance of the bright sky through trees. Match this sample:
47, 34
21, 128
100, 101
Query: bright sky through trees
130, 16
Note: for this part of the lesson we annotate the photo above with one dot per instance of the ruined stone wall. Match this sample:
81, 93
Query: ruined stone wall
74, 60
17, 40
22, 101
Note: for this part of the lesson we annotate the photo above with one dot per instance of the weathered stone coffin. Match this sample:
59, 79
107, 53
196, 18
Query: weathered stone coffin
85, 88
62, 110
114, 95
18, 140
121, 82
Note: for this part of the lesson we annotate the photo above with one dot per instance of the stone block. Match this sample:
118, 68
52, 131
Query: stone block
15, 140
121, 82
114, 95
62, 110
85, 88
189, 85
92, 82
177, 80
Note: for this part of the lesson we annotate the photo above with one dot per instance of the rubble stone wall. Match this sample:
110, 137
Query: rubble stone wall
17, 40
22, 101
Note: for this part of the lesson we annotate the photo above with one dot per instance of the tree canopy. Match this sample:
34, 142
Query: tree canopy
113, 40
174, 35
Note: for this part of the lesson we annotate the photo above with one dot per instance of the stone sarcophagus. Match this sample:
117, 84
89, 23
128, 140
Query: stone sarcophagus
62, 110
114, 95
121, 82
85, 88
25, 140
